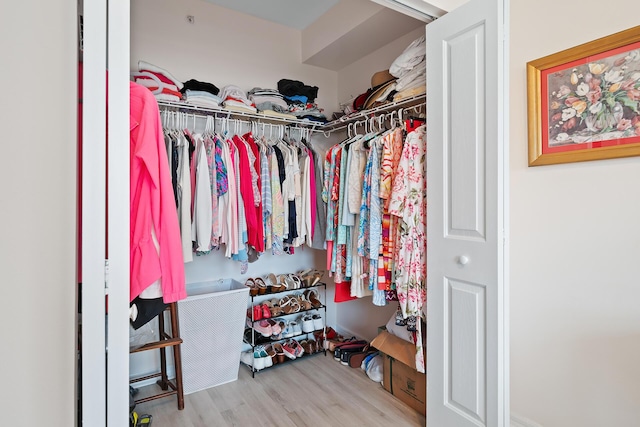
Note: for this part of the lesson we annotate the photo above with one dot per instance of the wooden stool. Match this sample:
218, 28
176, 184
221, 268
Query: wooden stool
162, 344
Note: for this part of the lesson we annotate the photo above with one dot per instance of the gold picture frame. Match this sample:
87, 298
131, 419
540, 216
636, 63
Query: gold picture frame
584, 102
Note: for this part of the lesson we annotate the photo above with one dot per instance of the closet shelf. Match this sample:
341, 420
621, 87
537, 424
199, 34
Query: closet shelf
320, 307
221, 112
301, 289
345, 121
286, 362
262, 340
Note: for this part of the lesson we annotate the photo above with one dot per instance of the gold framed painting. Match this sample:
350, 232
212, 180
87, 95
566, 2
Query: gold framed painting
584, 102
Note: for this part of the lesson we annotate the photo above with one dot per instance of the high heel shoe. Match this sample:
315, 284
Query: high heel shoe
310, 277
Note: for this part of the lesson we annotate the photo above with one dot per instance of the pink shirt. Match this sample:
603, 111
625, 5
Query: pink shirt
152, 204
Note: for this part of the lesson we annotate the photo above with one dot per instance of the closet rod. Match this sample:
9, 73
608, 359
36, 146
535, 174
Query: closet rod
342, 123
171, 121
222, 113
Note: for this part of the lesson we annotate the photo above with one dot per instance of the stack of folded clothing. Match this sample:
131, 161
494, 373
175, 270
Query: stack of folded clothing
300, 98
201, 98
164, 86
201, 94
270, 102
410, 70
234, 99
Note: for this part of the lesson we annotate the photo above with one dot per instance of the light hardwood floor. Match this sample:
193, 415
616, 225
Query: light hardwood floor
317, 391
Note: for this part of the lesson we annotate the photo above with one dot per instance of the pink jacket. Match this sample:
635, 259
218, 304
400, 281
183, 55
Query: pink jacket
152, 204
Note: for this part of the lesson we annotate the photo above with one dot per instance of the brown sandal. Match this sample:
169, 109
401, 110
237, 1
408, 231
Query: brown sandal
304, 303
312, 296
275, 309
272, 282
253, 289
289, 305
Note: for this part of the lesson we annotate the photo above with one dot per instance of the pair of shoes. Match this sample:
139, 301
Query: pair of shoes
274, 307
289, 304
261, 358
310, 277
400, 320
279, 329
307, 323
272, 354
292, 329
347, 347
273, 286
254, 358
346, 353
295, 327
311, 323
290, 281
319, 336
246, 357
310, 346
312, 296
263, 327
259, 311
280, 356
253, 288
256, 286
292, 349
302, 301
268, 327
330, 333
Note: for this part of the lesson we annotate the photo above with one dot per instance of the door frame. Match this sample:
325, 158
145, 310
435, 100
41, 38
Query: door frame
105, 286
98, 386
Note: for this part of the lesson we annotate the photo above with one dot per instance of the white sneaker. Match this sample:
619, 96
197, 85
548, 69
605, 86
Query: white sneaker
287, 332
307, 324
258, 362
295, 326
246, 357
317, 322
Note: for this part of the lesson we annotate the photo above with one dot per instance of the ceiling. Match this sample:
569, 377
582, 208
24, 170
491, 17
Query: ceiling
335, 33
291, 13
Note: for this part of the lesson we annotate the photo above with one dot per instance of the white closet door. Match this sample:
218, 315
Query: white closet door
119, 213
93, 214
105, 338
467, 362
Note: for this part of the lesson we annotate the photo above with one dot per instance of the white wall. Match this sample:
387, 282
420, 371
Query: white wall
226, 47
355, 78
222, 47
575, 299
335, 23
38, 215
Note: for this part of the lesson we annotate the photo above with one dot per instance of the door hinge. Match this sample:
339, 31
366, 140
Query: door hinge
106, 277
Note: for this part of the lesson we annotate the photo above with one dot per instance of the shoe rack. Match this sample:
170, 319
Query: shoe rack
255, 338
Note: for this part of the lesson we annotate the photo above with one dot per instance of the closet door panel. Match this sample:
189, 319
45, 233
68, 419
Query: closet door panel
466, 339
465, 153
93, 214
118, 218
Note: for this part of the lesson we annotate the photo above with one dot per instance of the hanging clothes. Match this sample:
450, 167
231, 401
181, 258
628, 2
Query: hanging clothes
152, 204
409, 205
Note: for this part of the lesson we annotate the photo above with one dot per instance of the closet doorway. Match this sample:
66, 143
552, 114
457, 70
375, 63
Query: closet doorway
467, 323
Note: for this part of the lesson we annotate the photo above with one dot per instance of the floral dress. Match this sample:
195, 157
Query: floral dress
408, 202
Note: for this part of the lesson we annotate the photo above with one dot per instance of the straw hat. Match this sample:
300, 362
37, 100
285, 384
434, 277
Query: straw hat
381, 84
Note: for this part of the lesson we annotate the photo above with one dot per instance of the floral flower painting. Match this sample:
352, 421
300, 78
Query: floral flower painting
593, 102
